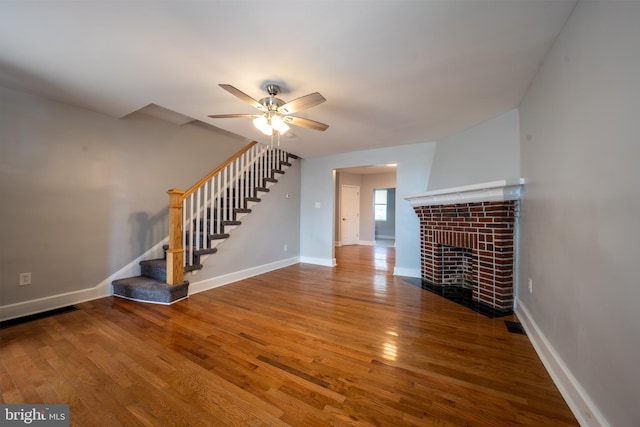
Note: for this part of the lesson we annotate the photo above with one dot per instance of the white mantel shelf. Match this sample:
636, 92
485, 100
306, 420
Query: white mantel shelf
506, 189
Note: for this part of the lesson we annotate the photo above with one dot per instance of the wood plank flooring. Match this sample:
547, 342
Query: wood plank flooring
304, 345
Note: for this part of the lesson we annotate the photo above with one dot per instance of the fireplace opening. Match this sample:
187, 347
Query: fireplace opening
457, 266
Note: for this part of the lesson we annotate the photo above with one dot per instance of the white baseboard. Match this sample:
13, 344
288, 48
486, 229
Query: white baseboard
407, 272
338, 243
579, 402
327, 262
385, 236
366, 243
214, 282
101, 290
52, 302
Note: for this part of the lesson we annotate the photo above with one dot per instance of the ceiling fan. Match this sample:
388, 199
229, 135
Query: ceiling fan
275, 113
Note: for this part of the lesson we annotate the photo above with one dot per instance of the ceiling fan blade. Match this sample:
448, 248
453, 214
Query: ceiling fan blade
243, 96
233, 116
305, 123
301, 103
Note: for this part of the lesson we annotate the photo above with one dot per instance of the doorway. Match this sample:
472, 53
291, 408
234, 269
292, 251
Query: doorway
366, 179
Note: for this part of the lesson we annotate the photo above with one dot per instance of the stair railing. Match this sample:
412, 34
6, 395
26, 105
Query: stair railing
211, 203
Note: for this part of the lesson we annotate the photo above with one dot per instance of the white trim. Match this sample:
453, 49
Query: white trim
407, 272
101, 290
338, 243
385, 237
327, 262
506, 189
225, 279
27, 308
576, 397
366, 242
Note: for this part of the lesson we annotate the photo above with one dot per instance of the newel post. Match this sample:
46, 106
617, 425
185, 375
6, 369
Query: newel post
175, 253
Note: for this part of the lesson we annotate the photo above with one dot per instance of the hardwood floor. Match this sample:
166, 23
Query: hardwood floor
304, 345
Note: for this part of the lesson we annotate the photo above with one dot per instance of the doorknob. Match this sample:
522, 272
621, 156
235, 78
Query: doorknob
344, 219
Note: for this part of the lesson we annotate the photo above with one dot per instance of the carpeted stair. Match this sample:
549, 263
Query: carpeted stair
151, 285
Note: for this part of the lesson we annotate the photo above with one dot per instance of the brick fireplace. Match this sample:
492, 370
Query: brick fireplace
467, 239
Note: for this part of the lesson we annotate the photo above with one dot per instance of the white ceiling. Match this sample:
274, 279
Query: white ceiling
393, 71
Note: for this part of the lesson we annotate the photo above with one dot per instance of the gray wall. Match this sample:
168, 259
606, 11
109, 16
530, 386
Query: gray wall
85, 194
580, 237
487, 152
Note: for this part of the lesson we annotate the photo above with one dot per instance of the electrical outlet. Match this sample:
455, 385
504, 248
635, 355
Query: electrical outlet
24, 279
286, 248
530, 285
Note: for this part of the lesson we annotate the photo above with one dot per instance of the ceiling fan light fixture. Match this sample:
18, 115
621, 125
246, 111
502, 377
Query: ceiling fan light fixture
262, 124
283, 128
278, 124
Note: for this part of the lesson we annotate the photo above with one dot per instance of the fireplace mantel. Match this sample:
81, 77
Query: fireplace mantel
506, 189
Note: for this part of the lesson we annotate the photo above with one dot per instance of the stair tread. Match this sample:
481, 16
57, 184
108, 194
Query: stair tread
205, 251
218, 236
141, 281
153, 262
192, 267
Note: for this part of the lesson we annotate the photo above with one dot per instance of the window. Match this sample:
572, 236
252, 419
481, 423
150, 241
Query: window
380, 204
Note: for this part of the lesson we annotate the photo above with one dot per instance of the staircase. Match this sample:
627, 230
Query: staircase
204, 216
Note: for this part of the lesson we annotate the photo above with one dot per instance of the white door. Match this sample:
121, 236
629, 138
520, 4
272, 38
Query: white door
349, 214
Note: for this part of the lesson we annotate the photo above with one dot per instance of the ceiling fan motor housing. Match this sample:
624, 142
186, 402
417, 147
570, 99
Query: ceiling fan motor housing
271, 103
273, 90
